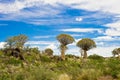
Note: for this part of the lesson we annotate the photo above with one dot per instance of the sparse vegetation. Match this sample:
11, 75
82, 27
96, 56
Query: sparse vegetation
37, 66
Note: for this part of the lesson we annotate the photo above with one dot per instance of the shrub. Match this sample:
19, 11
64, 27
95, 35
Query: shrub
95, 56
14, 61
44, 58
89, 74
49, 52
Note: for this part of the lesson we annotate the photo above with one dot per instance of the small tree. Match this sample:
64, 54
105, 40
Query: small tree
16, 41
116, 51
64, 40
85, 45
49, 52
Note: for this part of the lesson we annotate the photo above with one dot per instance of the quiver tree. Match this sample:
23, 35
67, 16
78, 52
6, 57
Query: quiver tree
16, 41
14, 45
64, 40
49, 52
85, 45
116, 51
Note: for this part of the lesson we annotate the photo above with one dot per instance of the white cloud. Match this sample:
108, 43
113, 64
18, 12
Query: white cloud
100, 43
105, 38
73, 49
38, 37
52, 46
42, 7
38, 43
79, 19
76, 35
103, 51
111, 6
2, 44
17, 5
81, 30
115, 25
34, 46
112, 32
114, 29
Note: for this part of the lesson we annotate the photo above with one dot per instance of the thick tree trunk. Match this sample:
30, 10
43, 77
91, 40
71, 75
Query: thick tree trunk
63, 53
85, 54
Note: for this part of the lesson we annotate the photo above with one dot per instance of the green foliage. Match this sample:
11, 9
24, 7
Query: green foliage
16, 41
49, 52
95, 57
43, 74
89, 74
44, 58
86, 44
20, 77
94, 68
38, 66
114, 67
1, 53
116, 51
4, 77
14, 61
65, 39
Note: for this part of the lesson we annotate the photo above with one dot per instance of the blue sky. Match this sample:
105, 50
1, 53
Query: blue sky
43, 20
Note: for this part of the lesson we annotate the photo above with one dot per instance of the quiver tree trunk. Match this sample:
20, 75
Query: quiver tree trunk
63, 48
85, 54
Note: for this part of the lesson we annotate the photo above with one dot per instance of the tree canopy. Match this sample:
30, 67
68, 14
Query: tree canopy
116, 51
49, 51
86, 44
65, 39
16, 41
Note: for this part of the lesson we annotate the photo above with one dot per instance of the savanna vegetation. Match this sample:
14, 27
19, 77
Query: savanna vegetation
20, 62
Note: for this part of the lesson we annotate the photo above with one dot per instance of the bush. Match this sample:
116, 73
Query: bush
4, 76
13, 61
95, 57
44, 58
89, 74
